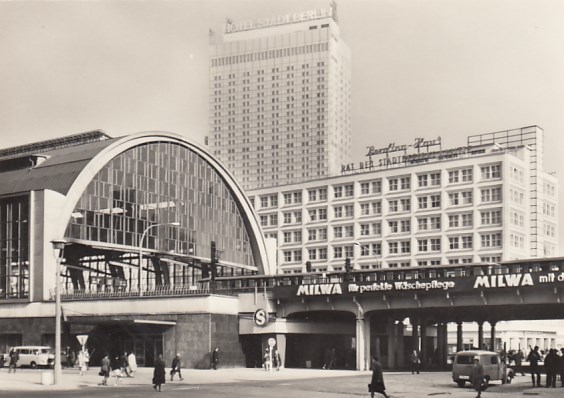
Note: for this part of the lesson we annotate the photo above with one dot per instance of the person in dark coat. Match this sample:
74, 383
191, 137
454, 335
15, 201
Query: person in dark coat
477, 377
561, 368
551, 364
377, 383
105, 370
124, 366
415, 362
159, 373
14, 358
215, 358
534, 358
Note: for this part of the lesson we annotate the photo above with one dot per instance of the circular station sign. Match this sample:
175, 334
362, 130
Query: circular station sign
260, 317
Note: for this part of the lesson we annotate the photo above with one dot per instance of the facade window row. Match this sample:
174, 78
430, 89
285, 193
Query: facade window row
403, 183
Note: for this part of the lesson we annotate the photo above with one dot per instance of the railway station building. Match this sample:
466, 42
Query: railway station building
145, 218
165, 253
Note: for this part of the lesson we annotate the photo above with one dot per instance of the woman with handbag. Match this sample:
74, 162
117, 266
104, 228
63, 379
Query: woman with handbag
105, 370
377, 383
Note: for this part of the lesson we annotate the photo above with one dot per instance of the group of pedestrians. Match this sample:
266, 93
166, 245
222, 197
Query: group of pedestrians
125, 365
271, 359
553, 366
122, 366
159, 372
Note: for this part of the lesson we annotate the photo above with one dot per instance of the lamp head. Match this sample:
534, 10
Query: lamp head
58, 247
58, 244
174, 224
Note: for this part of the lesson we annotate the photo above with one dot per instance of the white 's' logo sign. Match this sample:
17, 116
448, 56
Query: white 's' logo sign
260, 317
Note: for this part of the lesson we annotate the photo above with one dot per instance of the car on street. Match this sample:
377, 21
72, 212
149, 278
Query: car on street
494, 368
32, 356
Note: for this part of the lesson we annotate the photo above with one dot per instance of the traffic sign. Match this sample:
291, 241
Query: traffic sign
82, 339
271, 342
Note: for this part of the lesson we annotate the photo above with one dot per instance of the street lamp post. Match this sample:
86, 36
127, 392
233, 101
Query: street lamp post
173, 224
372, 250
58, 248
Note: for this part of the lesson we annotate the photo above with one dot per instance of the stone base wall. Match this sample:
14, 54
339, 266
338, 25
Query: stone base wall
194, 336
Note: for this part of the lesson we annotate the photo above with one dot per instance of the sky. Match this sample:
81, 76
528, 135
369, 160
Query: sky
421, 68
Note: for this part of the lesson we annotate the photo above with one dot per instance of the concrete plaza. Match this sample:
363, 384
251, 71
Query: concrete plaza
242, 382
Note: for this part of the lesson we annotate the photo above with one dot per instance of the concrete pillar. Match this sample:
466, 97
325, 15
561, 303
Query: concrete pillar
459, 342
442, 345
392, 343
281, 347
424, 351
415, 334
400, 348
367, 342
481, 335
360, 343
492, 335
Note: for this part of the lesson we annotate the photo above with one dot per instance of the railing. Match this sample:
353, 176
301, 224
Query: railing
259, 283
125, 292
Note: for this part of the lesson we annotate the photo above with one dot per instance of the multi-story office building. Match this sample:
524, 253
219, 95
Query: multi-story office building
419, 205
280, 98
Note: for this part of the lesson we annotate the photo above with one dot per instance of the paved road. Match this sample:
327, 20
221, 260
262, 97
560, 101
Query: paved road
255, 383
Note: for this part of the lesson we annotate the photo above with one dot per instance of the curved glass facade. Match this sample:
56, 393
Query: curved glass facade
156, 184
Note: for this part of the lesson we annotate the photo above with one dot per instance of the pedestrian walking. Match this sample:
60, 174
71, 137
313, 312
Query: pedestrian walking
115, 369
534, 358
68, 357
132, 362
215, 358
14, 358
124, 365
519, 362
159, 373
477, 377
332, 359
377, 383
81, 362
175, 367
277, 360
267, 360
561, 367
105, 370
415, 362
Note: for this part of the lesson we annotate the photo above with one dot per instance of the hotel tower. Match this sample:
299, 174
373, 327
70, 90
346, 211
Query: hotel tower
280, 98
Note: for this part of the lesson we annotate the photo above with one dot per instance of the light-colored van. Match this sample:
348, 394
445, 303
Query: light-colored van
34, 356
494, 369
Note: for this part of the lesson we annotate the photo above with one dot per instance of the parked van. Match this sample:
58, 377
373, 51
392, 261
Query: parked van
494, 369
34, 356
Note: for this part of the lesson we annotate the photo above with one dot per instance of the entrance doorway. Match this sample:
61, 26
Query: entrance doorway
146, 348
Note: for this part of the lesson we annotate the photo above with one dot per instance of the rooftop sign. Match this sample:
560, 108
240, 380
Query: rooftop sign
420, 151
231, 27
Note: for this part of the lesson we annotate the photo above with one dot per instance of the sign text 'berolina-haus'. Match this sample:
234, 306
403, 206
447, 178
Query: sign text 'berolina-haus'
391, 156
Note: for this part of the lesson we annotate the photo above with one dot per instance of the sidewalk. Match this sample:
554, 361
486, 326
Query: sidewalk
31, 379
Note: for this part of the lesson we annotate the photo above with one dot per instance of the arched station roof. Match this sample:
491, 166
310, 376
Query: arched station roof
213, 207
